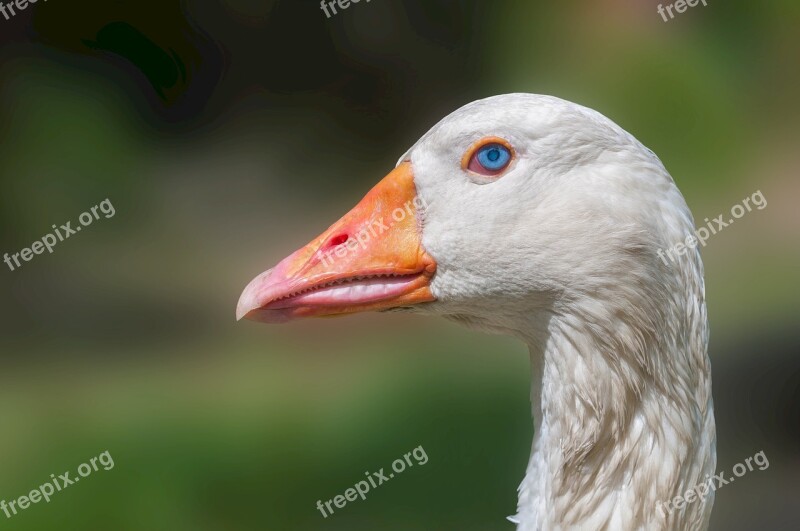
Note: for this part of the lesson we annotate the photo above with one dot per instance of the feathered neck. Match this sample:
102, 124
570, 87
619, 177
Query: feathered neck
623, 418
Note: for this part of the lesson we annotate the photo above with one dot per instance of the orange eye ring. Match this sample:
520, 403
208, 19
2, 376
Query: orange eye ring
500, 156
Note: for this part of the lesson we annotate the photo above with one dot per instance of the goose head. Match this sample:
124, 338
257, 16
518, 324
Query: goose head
532, 216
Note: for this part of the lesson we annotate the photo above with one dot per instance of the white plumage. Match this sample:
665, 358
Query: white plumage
561, 252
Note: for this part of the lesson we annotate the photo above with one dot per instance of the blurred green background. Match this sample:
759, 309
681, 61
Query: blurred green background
226, 134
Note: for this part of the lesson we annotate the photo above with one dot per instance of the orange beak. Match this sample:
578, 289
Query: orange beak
371, 259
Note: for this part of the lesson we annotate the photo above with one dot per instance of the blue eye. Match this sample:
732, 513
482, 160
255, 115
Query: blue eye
490, 159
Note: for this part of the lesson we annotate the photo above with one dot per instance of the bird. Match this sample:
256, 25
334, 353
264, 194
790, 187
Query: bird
535, 217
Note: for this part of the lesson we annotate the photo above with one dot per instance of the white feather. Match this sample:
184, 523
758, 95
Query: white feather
561, 252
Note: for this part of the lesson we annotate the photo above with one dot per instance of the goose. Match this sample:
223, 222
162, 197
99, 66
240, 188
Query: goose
532, 216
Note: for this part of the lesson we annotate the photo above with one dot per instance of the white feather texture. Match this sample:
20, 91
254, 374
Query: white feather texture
560, 252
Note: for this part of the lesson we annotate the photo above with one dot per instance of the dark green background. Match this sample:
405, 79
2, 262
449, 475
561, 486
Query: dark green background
228, 133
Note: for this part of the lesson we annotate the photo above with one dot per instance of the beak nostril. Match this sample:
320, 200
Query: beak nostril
337, 240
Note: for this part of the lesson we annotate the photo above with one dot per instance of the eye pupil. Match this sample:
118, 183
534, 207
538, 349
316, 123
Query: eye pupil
490, 158
494, 157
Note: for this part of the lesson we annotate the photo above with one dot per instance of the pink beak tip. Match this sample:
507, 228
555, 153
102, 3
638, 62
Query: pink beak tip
249, 299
